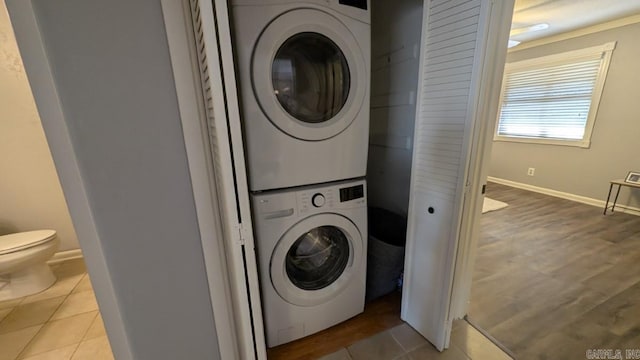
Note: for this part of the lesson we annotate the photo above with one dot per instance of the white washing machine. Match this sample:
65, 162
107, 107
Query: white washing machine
304, 69
312, 251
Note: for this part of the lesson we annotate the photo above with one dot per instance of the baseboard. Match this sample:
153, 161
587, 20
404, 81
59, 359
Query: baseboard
61, 256
563, 195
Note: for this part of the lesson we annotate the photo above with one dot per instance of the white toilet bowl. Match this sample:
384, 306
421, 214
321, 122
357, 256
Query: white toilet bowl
23, 263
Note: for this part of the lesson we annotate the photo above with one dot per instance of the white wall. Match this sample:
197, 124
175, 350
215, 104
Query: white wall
616, 136
395, 40
113, 76
30, 194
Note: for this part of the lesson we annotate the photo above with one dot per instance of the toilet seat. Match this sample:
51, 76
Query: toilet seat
24, 240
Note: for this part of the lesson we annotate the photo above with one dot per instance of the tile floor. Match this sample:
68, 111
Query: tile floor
60, 323
63, 323
403, 343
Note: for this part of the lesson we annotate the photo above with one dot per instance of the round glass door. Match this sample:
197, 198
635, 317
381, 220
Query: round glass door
310, 77
317, 258
309, 74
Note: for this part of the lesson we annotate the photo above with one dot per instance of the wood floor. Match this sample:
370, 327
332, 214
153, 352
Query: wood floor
554, 278
379, 315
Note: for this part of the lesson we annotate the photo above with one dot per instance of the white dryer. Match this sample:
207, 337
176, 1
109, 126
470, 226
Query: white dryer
311, 245
304, 69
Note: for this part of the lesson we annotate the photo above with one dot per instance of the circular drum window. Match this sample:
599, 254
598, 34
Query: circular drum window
310, 77
317, 258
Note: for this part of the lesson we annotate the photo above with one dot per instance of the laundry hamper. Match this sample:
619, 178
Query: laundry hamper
385, 252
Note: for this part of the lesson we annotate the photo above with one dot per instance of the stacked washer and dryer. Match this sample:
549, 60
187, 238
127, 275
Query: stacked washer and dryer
304, 70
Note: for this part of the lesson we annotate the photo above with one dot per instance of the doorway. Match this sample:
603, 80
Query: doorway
552, 273
463, 44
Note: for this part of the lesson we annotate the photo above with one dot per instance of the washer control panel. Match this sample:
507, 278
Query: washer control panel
340, 196
315, 199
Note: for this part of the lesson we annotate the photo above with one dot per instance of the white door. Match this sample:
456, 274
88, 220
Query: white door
453, 50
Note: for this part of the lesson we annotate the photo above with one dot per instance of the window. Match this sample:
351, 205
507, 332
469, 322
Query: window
553, 99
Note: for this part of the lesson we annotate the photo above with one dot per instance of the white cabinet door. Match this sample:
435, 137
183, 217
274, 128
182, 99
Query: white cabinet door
454, 39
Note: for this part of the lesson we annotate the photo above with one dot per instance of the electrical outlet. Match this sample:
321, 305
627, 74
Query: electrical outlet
531, 171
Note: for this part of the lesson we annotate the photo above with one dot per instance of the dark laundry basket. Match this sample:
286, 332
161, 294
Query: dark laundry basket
385, 252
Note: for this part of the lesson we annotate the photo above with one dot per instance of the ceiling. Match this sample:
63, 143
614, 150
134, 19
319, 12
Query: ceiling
567, 15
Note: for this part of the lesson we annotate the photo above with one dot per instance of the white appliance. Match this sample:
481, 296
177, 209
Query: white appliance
311, 244
303, 70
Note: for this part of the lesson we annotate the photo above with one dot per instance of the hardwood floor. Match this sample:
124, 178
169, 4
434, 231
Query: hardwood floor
554, 278
379, 315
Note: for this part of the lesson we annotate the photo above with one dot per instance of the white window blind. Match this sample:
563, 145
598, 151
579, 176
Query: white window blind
553, 99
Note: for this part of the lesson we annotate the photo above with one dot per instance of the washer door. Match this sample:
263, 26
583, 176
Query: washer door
316, 259
308, 74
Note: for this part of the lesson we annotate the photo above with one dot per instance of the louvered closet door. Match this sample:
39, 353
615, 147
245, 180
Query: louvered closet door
213, 47
450, 56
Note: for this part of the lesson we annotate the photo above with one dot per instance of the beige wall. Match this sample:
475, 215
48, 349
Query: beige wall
616, 137
30, 193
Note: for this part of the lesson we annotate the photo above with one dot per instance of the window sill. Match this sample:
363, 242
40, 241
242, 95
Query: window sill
585, 144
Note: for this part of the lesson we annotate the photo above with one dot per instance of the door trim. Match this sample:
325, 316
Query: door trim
179, 36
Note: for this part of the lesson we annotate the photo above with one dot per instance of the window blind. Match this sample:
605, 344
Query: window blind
549, 101
553, 99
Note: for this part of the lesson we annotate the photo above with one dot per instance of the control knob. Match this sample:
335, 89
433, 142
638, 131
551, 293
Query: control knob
318, 200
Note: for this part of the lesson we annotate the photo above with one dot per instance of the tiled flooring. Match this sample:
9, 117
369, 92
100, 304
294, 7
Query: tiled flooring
63, 323
60, 323
403, 343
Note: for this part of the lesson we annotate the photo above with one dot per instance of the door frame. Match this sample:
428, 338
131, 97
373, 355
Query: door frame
485, 115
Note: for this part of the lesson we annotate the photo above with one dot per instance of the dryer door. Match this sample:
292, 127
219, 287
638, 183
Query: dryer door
316, 259
309, 74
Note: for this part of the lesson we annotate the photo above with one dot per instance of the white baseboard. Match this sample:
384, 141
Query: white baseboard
61, 256
563, 195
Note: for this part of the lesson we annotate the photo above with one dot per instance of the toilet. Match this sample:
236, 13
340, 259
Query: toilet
23, 263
